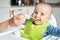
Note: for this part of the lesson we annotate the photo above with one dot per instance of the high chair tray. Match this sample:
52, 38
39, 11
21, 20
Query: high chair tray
11, 29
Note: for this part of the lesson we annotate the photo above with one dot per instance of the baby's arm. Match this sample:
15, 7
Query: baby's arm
54, 31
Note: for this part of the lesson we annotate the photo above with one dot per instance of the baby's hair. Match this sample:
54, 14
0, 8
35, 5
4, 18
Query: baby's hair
50, 6
45, 4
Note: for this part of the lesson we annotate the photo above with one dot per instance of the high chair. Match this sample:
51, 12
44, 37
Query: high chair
49, 37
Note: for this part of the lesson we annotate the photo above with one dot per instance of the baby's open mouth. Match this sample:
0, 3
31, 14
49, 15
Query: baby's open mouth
37, 19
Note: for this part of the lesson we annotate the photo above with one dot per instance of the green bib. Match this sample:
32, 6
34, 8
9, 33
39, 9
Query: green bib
34, 32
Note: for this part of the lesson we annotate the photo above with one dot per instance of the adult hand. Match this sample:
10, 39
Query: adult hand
16, 20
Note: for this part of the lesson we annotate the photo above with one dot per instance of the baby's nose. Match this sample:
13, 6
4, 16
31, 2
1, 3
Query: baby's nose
38, 15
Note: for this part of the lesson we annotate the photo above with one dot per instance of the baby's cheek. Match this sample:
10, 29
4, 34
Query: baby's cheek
43, 19
34, 15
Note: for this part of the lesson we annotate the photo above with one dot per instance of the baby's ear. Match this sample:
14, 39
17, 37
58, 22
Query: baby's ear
49, 17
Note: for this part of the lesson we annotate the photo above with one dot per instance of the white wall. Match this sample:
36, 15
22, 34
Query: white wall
4, 9
4, 3
52, 1
56, 12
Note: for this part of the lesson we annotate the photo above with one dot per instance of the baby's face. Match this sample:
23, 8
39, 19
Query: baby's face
41, 14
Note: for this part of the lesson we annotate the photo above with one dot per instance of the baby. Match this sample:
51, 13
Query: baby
36, 27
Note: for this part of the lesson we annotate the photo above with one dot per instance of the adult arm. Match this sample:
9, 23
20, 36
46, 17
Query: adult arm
15, 21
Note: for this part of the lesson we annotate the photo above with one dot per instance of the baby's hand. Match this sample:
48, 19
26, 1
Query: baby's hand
17, 20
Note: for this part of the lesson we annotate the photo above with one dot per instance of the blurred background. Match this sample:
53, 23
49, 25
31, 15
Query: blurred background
27, 7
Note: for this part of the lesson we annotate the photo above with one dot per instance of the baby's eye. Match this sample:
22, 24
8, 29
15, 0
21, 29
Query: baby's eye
42, 13
35, 12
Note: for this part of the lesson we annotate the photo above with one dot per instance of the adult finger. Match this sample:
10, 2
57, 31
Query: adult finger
13, 12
